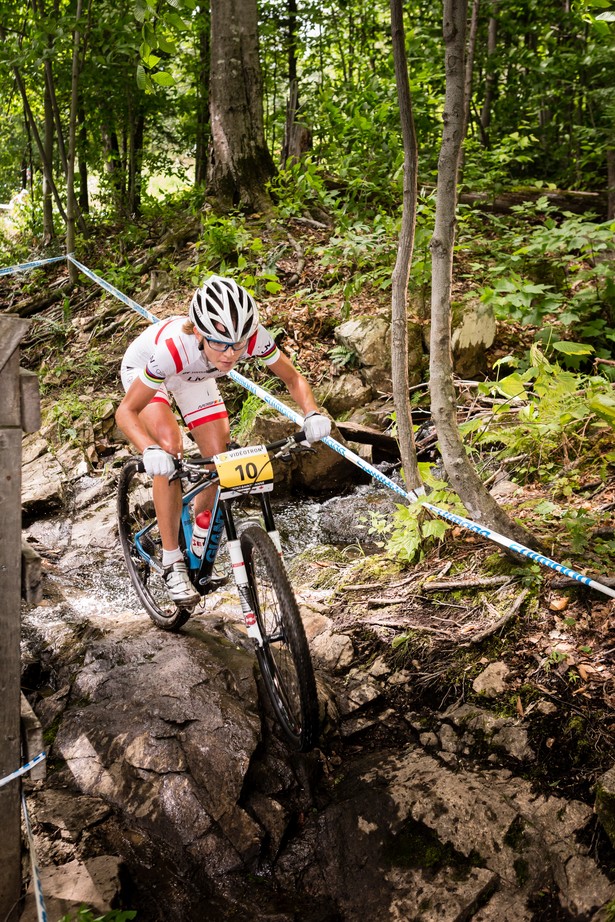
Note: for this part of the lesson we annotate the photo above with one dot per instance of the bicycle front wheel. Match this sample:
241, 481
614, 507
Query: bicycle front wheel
135, 508
284, 657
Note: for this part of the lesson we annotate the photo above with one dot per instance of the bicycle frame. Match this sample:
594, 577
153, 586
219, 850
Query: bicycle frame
222, 520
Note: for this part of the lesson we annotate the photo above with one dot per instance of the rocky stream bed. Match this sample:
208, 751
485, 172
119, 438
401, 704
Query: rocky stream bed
169, 792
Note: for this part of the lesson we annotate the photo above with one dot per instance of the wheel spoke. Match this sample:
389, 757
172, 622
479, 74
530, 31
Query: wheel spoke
135, 513
284, 657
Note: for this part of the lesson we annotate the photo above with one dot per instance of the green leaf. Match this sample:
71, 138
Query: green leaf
141, 77
604, 406
162, 78
511, 386
573, 348
165, 45
547, 508
434, 528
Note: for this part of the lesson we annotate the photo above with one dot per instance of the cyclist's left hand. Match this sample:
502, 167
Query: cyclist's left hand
316, 427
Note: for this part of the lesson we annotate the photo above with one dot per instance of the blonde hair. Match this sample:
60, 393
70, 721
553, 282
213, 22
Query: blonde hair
188, 327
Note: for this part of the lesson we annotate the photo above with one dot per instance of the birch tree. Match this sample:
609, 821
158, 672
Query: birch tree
462, 475
401, 272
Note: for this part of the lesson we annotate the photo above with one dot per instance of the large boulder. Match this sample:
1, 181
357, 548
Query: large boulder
319, 471
473, 332
370, 339
344, 393
163, 729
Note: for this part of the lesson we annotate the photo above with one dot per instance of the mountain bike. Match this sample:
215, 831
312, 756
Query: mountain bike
268, 603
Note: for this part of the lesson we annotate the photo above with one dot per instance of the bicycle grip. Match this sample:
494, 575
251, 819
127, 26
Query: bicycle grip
141, 467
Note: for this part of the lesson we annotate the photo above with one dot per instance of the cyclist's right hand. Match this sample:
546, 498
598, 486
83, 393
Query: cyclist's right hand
158, 462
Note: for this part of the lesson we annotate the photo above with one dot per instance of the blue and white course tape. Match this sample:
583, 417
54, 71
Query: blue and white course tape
41, 909
411, 496
24, 768
35, 264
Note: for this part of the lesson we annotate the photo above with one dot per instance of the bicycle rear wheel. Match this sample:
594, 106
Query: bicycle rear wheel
284, 658
135, 509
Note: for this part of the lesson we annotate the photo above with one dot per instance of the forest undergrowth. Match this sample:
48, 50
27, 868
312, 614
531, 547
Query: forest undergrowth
440, 602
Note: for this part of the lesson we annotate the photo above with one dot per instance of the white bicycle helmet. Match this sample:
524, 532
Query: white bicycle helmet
222, 301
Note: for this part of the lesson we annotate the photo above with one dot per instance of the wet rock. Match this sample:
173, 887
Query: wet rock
66, 812
370, 339
605, 802
334, 651
42, 485
88, 490
358, 691
94, 883
33, 446
49, 708
407, 837
343, 393
172, 758
449, 741
348, 519
96, 530
73, 462
514, 740
492, 680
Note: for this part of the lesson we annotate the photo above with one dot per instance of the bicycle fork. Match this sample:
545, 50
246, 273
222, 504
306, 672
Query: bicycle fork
244, 590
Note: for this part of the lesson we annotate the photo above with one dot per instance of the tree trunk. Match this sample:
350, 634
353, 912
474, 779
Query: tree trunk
84, 199
467, 89
202, 101
46, 166
113, 163
464, 479
241, 165
610, 162
71, 200
56, 113
48, 228
490, 78
401, 272
297, 137
135, 158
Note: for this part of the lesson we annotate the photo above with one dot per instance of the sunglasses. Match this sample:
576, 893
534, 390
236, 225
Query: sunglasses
218, 346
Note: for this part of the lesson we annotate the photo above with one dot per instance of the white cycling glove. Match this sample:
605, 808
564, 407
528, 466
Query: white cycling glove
158, 462
316, 427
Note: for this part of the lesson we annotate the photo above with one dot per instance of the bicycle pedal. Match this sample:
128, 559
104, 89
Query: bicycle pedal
212, 584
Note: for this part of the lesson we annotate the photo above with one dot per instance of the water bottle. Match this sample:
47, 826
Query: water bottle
199, 532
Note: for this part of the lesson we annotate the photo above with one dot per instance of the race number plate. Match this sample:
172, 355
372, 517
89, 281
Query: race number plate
243, 467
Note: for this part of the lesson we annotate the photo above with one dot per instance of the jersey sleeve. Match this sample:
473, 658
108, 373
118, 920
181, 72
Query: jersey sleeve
262, 346
169, 357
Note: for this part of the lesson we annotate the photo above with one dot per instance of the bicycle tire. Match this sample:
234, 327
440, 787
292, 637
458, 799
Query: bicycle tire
135, 510
284, 658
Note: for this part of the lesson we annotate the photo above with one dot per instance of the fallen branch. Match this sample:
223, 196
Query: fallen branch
31, 306
396, 623
295, 277
499, 624
478, 582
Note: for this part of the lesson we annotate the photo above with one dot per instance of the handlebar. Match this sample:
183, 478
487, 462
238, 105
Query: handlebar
290, 443
184, 466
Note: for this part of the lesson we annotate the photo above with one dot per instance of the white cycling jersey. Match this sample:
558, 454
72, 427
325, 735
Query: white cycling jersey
164, 352
170, 362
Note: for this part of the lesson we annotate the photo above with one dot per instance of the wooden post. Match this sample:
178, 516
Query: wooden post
12, 330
